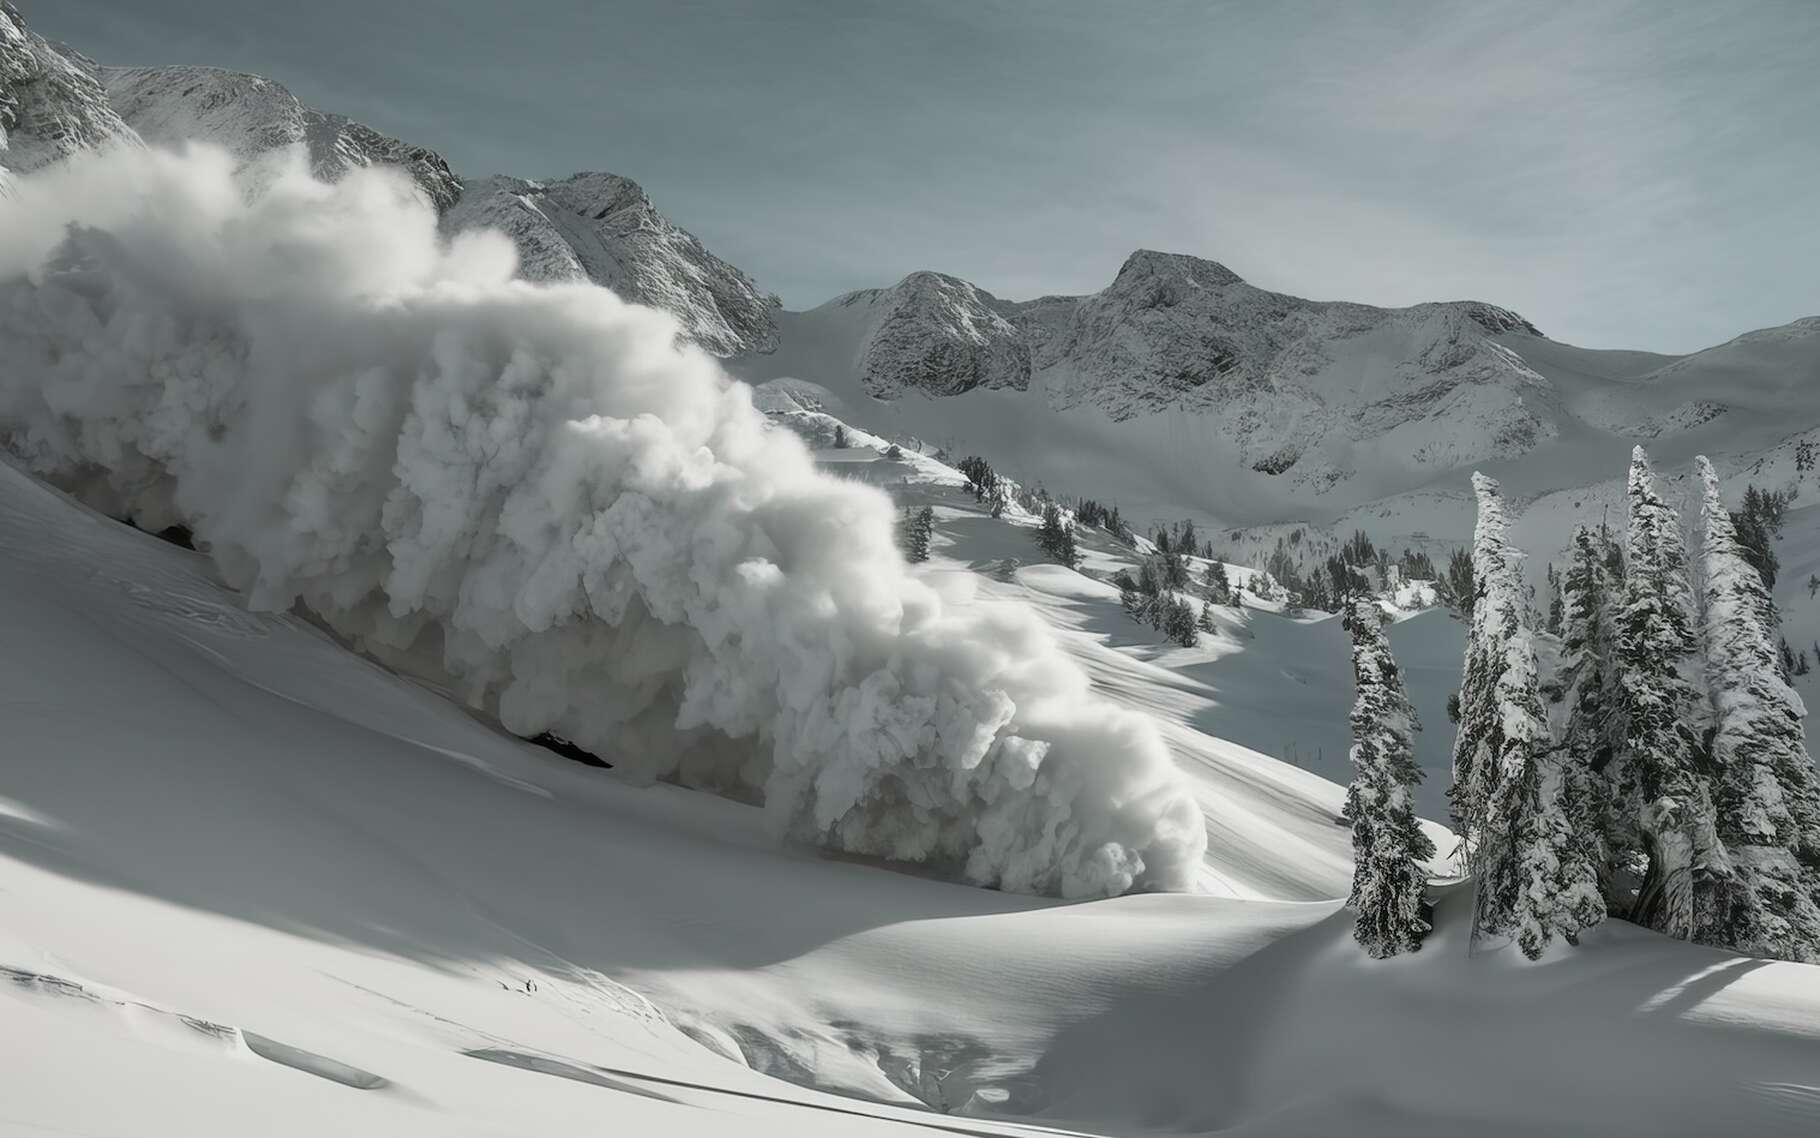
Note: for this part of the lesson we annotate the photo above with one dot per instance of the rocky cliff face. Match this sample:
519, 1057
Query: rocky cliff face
51, 104
604, 228
938, 335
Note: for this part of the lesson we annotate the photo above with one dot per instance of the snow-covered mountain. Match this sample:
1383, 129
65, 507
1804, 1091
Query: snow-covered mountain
1181, 390
51, 104
250, 117
1178, 390
603, 228
591, 226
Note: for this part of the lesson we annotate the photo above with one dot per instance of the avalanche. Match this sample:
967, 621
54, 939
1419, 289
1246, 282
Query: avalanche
529, 494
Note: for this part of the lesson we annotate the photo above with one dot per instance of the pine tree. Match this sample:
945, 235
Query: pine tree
996, 498
1557, 607
1557, 850
1173, 569
1515, 802
1663, 807
979, 475
1131, 598
1456, 587
1050, 534
1179, 622
1389, 849
1589, 682
840, 437
1219, 588
1475, 745
1067, 552
1206, 622
916, 529
1766, 795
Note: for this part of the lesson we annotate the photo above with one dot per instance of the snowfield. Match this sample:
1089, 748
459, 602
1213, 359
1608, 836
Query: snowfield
251, 879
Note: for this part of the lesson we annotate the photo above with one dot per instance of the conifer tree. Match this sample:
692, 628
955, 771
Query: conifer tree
1389, 849
1052, 531
1663, 808
917, 527
1179, 621
1514, 801
1557, 606
1766, 798
1475, 745
1555, 881
1206, 622
1219, 588
1589, 683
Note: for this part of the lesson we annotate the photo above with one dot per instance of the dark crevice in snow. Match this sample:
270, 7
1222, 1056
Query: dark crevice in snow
568, 750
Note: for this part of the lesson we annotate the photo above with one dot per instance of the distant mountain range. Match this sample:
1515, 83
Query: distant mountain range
1178, 390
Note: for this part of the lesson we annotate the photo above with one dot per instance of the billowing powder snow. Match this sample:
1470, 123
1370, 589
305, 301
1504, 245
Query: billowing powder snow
527, 492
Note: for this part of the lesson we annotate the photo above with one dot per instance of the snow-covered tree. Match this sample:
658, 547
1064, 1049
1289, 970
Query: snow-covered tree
1556, 849
1219, 588
996, 498
914, 533
1206, 622
1179, 621
1557, 605
1389, 850
1056, 537
1475, 745
1765, 790
1515, 800
1662, 807
1589, 680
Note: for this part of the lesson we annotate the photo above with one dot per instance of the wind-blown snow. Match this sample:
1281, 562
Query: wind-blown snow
527, 492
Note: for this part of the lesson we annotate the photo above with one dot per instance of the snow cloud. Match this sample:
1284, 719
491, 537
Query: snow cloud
529, 493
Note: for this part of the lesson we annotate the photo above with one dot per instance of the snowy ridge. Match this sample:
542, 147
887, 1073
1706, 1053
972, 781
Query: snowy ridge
250, 117
592, 226
603, 228
51, 106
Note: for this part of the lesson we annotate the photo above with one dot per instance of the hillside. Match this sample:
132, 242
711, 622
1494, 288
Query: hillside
351, 901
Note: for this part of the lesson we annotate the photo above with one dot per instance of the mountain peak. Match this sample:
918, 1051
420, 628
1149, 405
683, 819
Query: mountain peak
1152, 263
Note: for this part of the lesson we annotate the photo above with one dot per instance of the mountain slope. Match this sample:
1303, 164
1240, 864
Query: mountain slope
367, 910
51, 106
591, 226
1180, 390
249, 117
603, 228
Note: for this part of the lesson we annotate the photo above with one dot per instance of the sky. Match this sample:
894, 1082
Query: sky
1637, 175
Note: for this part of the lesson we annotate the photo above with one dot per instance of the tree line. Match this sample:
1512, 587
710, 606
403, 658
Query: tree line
1670, 786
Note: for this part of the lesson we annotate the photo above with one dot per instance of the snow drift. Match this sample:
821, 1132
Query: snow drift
529, 493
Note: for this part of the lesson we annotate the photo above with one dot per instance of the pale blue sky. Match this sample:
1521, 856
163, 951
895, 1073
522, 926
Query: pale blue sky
1624, 174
